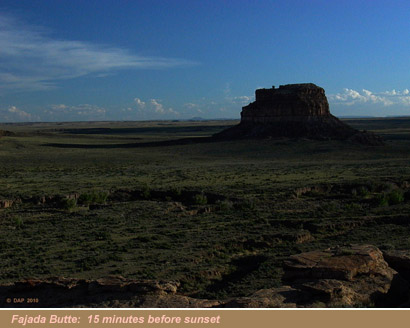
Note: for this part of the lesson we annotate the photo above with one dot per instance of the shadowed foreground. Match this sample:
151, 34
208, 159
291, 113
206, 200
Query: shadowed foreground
219, 219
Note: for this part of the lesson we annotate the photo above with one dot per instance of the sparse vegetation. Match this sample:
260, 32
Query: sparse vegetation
94, 197
246, 205
364, 192
382, 200
18, 222
396, 197
146, 192
218, 217
225, 205
200, 199
68, 203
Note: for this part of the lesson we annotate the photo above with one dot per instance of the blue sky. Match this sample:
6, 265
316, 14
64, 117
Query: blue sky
72, 60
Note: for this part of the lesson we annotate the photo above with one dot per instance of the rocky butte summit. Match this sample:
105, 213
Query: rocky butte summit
294, 111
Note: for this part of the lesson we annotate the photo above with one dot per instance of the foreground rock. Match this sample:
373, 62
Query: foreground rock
293, 111
350, 276
106, 292
354, 276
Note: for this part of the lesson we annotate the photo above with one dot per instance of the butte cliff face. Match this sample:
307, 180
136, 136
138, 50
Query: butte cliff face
293, 111
289, 102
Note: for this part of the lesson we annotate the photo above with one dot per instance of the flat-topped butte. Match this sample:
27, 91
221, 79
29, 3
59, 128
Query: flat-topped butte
293, 111
288, 102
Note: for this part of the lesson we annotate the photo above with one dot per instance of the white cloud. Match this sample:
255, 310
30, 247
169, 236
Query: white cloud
14, 114
86, 112
227, 104
405, 100
31, 59
156, 106
194, 109
351, 97
170, 110
242, 100
151, 107
60, 106
140, 103
159, 108
191, 105
227, 90
389, 93
234, 100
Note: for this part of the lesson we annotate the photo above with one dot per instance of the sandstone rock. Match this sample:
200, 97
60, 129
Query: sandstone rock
335, 293
292, 101
348, 276
282, 297
380, 286
176, 301
69, 292
293, 111
337, 263
352, 276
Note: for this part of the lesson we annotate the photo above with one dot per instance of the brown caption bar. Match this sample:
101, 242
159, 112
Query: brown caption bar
204, 318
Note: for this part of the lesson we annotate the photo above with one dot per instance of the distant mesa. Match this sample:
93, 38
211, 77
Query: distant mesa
196, 118
293, 111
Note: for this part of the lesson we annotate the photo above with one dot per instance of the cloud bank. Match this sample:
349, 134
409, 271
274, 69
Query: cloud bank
82, 112
350, 97
151, 109
14, 114
31, 59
